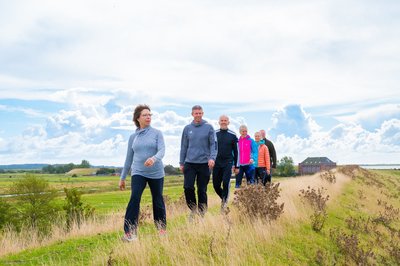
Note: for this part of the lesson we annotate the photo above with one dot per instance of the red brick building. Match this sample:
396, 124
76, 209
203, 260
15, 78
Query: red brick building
313, 165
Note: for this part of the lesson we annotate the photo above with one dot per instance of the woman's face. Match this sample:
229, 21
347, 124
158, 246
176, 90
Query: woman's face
144, 118
243, 132
257, 137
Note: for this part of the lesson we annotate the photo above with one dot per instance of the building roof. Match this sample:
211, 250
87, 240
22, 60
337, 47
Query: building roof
316, 161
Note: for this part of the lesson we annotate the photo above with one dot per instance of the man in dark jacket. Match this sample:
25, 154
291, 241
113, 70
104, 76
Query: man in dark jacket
226, 160
271, 149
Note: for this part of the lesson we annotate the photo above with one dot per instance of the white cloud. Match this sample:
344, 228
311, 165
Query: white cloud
292, 120
287, 50
372, 118
28, 111
101, 137
390, 133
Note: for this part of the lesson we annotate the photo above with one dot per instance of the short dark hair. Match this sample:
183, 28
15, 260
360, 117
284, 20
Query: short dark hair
197, 107
138, 111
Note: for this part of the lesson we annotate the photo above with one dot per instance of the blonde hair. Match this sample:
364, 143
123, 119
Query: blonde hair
242, 127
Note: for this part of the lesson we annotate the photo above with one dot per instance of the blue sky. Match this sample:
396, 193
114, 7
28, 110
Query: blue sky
322, 77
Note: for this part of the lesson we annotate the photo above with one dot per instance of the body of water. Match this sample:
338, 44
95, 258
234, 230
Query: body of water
381, 166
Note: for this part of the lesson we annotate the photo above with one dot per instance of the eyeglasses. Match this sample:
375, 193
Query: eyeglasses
146, 115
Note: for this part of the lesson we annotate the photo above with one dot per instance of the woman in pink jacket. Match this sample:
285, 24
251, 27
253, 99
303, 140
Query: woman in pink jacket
247, 149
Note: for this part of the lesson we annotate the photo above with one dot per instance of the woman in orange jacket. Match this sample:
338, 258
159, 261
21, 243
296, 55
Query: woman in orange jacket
263, 162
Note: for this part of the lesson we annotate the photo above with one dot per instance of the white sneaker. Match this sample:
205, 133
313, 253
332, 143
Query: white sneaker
129, 237
192, 216
224, 206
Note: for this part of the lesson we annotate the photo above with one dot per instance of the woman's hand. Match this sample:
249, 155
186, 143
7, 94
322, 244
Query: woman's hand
122, 184
149, 162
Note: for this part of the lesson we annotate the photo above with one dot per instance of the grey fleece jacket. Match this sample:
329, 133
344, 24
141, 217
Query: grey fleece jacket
198, 143
143, 144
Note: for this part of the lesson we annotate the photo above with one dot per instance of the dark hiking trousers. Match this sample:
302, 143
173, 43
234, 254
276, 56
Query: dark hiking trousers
222, 175
138, 184
199, 173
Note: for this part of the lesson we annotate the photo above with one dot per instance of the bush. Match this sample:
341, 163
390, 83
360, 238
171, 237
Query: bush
35, 204
318, 204
75, 209
258, 201
328, 176
6, 213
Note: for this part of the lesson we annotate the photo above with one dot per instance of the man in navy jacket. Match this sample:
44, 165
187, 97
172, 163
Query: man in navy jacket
226, 160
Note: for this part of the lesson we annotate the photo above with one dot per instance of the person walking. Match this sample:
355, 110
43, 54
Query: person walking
197, 157
271, 150
246, 153
226, 160
263, 162
146, 149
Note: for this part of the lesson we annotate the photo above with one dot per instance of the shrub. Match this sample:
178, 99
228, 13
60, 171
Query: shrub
6, 213
328, 176
350, 246
35, 204
388, 215
318, 204
76, 211
258, 201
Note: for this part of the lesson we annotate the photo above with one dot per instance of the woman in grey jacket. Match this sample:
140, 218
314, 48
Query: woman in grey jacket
146, 149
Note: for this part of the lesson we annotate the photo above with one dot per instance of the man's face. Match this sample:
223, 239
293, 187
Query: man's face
223, 122
262, 132
197, 115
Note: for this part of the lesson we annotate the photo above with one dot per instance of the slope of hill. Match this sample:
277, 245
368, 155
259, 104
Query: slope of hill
83, 171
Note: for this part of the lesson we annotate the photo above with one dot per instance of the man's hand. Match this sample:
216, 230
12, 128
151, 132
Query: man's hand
181, 167
235, 170
122, 184
211, 163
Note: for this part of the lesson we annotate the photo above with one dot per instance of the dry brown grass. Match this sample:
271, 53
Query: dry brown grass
225, 236
214, 230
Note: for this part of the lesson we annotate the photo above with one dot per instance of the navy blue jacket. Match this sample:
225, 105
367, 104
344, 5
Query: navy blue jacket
227, 148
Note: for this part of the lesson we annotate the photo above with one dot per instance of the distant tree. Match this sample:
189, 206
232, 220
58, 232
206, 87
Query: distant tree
84, 164
35, 204
105, 171
286, 167
171, 170
48, 169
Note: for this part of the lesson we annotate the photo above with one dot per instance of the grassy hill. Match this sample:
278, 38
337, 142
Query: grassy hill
83, 171
362, 227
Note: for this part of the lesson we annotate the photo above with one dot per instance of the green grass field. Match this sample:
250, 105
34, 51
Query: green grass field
288, 241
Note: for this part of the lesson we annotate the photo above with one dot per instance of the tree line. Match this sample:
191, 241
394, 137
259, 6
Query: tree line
64, 168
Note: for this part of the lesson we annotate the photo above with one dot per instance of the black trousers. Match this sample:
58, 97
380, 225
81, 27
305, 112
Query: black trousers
222, 175
138, 184
199, 173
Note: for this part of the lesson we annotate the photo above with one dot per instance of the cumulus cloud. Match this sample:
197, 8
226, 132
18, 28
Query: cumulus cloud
100, 134
373, 117
347, 143
292, 121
